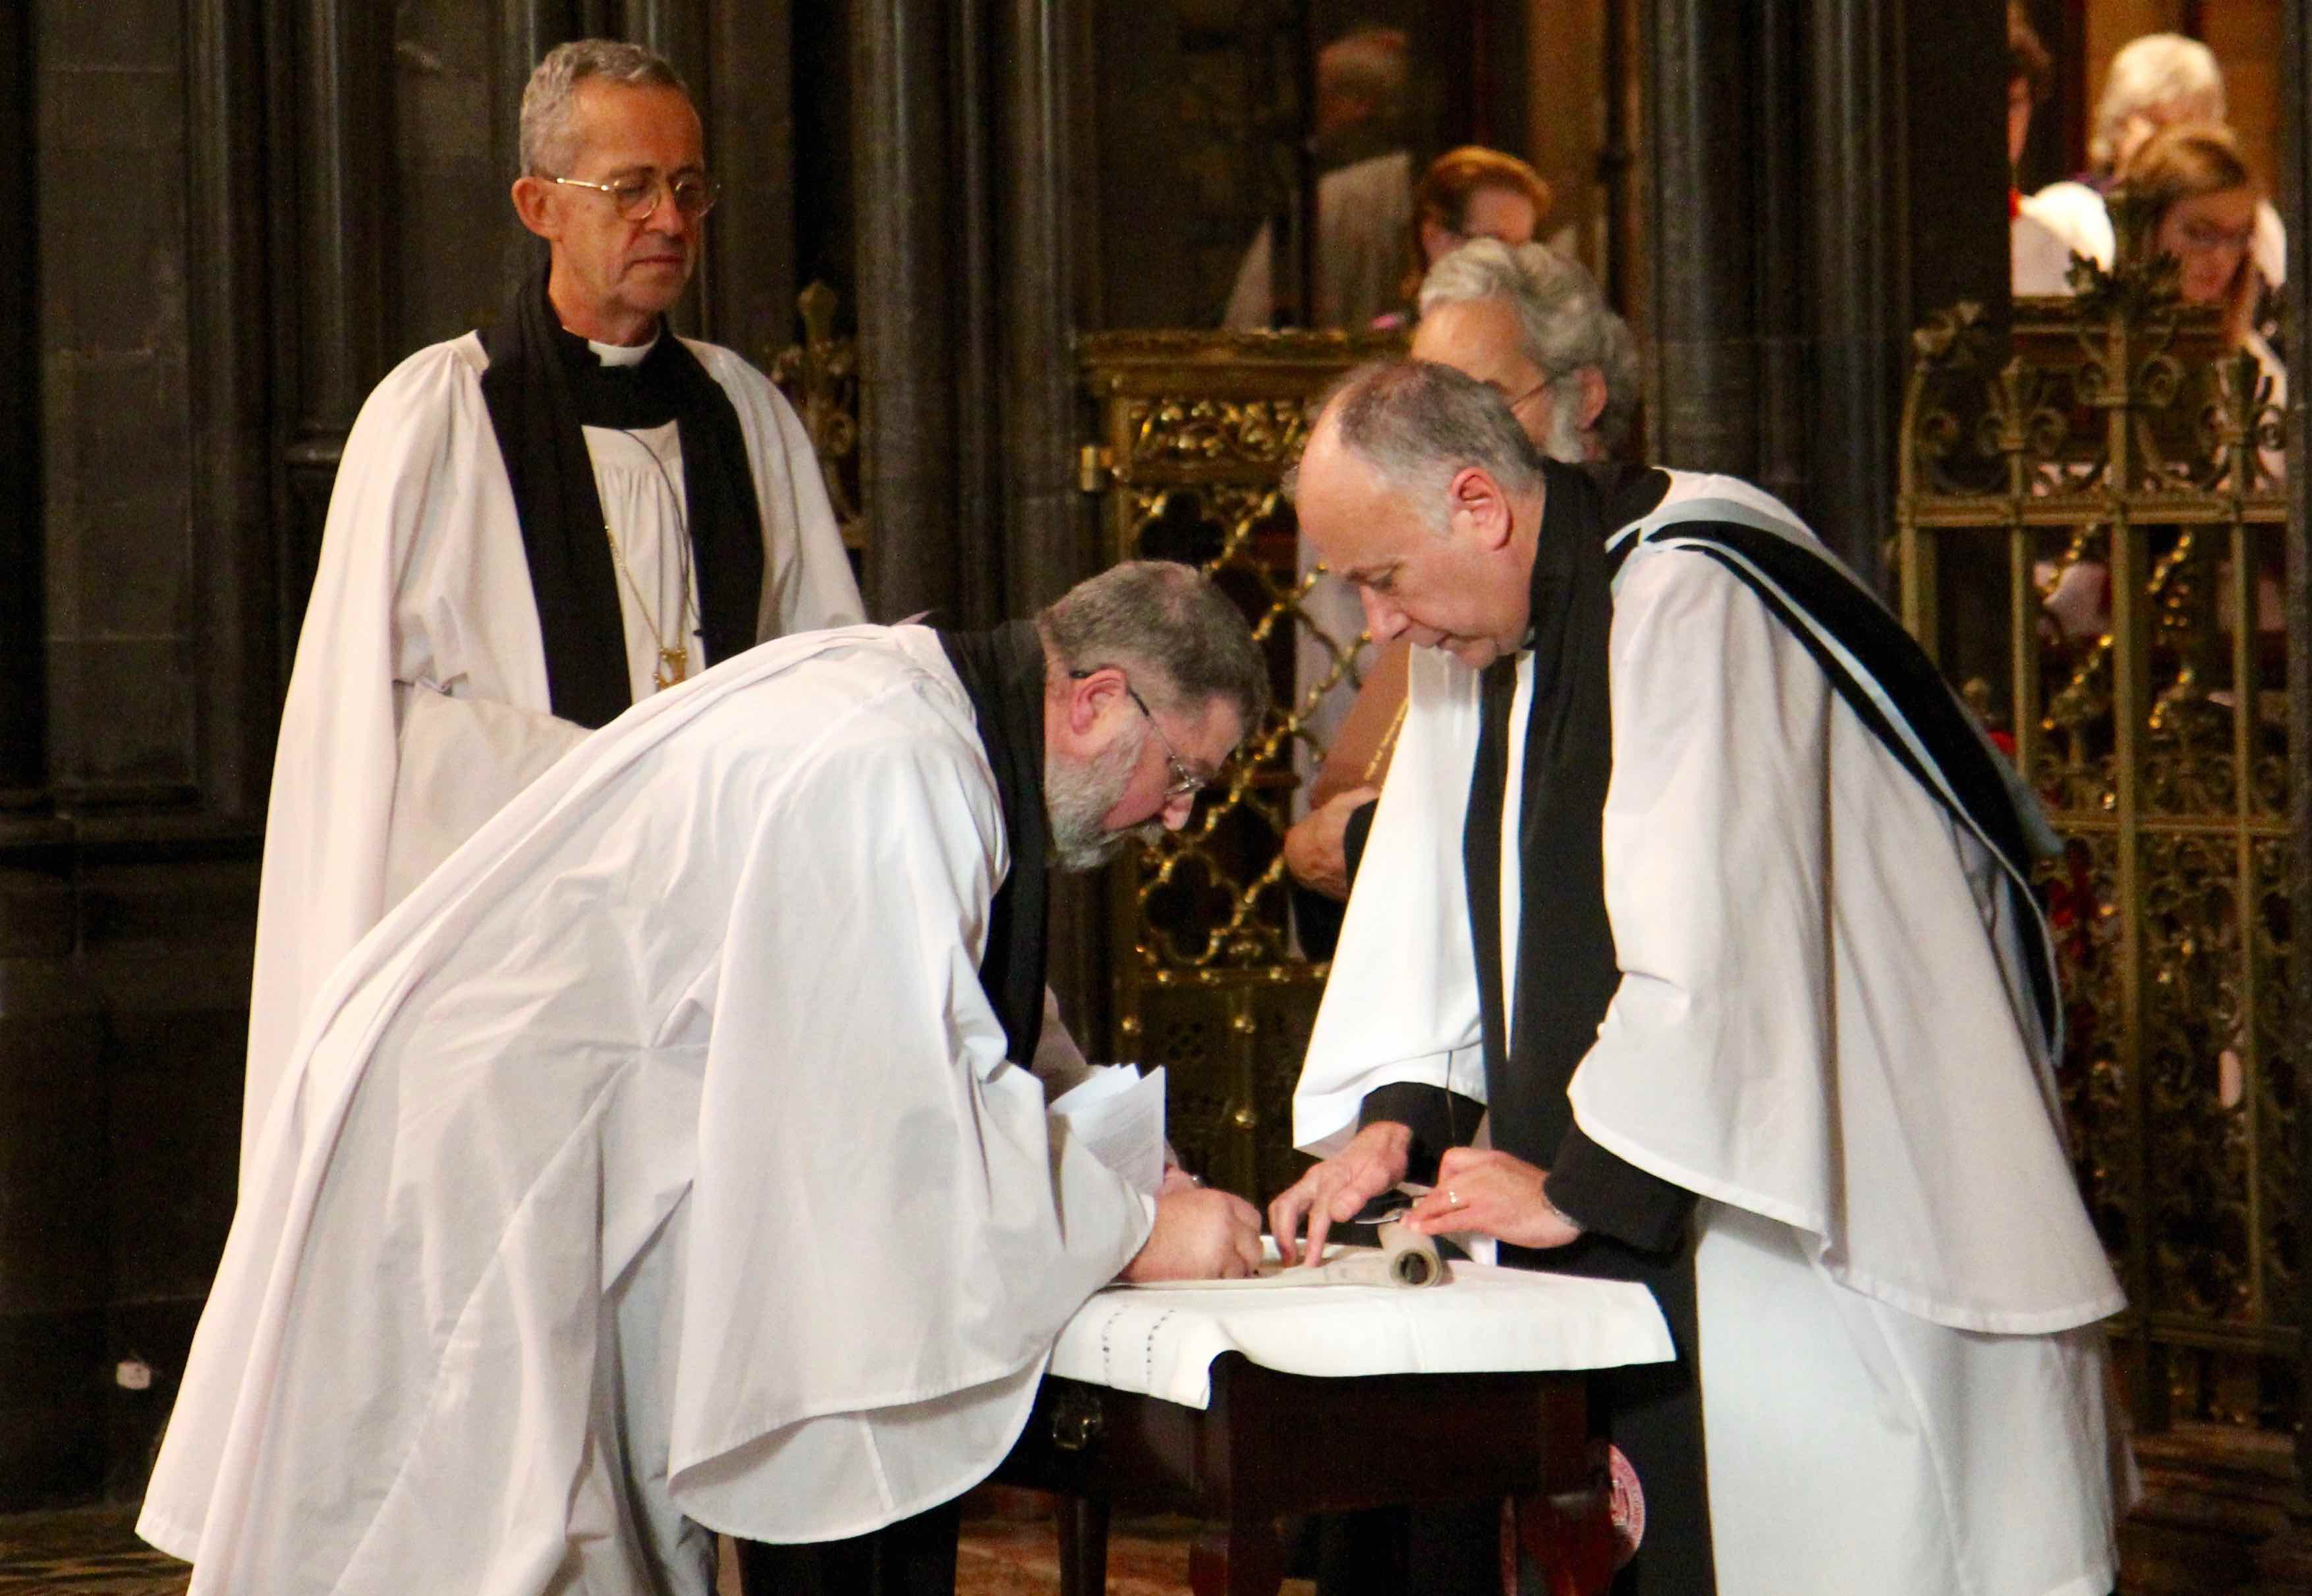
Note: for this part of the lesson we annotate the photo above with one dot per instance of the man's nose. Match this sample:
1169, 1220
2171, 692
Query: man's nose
666, 216
1383, 619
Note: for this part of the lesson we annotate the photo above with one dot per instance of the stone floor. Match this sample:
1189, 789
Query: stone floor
89, 1551
2215, 1522
95, 1552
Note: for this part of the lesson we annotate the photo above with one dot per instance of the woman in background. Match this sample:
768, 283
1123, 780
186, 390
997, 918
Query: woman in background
2208, 205
1468, 192
2160, 80
2205, 216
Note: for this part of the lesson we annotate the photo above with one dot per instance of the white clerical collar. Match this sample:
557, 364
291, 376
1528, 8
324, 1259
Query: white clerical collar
625, 354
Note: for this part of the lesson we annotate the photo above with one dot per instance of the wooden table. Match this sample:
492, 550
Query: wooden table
1272, 1444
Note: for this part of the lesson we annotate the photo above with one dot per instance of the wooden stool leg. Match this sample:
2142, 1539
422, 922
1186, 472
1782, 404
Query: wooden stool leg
1570, 1534
1240, 1557
1083, 1545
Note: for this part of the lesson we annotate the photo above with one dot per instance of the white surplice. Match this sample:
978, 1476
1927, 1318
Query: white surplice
1363, 212
1824, 1028
654, 1164
2080, 221
419, 702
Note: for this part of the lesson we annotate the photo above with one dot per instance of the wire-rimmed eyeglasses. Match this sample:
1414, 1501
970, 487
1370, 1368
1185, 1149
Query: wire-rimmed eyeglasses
636, 196
1186, 782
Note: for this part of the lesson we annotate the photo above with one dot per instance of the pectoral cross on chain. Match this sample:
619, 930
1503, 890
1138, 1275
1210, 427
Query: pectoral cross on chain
673, 666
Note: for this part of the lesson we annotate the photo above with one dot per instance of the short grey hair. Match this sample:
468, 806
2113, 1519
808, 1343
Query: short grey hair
549, 105
2158, 69
1168, 626
1565, 324
1369, 63
1420, 424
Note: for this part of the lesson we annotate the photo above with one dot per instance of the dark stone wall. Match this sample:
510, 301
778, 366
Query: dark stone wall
116, 420
1199, 111
1824, 175
123, 1009
126, 869
23, 651
452, 158
238, 214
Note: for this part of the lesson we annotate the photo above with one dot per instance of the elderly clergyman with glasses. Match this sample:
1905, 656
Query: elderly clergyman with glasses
533, 527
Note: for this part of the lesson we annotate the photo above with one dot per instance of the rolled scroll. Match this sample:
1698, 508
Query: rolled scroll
1411, 1258
1402, 1260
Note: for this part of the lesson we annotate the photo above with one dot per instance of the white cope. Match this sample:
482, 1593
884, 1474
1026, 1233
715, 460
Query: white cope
654, 1164
1824, 1029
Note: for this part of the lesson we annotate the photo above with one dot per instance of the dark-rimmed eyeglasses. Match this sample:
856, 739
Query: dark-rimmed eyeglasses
1186, 782
636, 196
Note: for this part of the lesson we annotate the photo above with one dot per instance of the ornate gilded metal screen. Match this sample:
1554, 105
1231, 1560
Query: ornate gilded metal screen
820, 378
1195, 432
2092, 544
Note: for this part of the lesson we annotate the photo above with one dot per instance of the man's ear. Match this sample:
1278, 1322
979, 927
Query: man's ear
1593, 397
1090, 696
1475, 499
533, 198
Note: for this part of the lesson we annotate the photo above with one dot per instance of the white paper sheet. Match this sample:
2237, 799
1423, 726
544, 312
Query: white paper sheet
1118, 1114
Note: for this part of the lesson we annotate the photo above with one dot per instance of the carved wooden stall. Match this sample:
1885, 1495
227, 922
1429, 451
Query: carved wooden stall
2092, 544
1195, 430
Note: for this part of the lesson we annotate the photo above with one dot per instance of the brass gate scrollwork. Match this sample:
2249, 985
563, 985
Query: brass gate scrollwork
2091, 541
1195, 432
820, 378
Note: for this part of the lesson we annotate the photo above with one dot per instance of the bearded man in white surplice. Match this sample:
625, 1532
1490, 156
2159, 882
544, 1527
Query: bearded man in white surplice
533, 526
667, 1161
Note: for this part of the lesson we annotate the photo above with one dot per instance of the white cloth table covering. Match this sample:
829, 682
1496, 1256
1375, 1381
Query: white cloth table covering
1162, 1342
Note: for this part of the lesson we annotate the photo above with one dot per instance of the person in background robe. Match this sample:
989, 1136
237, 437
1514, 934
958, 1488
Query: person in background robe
665, 1162
2156, 81
1363, 195
533, 526
1695, 944
1532, 325
2037, 257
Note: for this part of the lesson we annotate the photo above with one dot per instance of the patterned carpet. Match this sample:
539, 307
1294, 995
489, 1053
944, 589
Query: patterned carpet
95, 1552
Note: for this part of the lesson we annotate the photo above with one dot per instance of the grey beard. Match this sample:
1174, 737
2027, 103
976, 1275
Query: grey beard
1078, 793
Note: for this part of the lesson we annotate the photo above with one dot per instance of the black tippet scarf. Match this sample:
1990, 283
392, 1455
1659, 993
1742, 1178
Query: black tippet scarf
1002, 672
1568, 977
543, 384
1567, 974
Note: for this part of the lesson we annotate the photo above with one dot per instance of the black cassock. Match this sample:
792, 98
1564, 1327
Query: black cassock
1635, 1224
